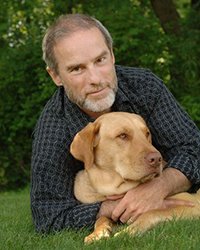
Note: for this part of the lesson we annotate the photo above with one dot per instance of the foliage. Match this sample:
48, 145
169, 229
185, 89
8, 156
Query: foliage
186, 83
24, 87
138, 41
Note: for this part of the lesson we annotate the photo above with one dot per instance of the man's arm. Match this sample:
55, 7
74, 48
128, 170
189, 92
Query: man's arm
53, 204
174, 133
151, 195
130, 205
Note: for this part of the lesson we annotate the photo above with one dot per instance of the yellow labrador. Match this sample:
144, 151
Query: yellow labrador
118, 155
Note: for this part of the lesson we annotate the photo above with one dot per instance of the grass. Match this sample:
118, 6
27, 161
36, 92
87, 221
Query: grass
17, 232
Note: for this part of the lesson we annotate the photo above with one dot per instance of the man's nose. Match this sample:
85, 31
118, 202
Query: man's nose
94, 76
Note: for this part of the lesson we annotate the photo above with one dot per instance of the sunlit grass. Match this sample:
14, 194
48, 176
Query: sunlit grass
17, 232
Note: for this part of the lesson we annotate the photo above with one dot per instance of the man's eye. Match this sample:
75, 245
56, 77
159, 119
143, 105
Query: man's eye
76, 69
101, 59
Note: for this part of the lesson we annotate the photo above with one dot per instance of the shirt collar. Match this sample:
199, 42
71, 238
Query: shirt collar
122, 102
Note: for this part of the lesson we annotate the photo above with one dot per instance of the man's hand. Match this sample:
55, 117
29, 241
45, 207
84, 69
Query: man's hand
136, 201
107, 208
151, 195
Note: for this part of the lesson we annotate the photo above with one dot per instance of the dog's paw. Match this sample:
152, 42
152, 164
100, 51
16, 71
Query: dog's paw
129, 230
124, 231
95, 236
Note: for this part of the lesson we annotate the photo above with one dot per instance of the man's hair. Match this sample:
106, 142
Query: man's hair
64, 26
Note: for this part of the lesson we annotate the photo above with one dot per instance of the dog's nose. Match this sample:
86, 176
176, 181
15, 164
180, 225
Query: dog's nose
153, 159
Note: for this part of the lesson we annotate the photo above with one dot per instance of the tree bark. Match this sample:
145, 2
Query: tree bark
195, 4
169, 18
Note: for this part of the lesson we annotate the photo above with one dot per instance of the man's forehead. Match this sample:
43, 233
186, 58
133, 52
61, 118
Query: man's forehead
80, 34
78, 47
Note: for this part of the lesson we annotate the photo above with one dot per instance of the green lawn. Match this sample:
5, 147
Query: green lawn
17, 232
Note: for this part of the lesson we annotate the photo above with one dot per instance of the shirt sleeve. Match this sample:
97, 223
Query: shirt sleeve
174, 133
53, 204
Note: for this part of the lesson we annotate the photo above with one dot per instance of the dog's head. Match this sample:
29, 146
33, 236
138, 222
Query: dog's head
119, 142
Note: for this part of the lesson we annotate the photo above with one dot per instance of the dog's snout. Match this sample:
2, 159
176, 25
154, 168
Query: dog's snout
153, 159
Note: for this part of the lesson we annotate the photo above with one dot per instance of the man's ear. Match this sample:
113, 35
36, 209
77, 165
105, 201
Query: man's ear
113, 56
83, 144
54, 76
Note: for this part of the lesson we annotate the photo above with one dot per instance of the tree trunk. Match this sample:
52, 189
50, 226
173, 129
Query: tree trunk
195, 4
169, 18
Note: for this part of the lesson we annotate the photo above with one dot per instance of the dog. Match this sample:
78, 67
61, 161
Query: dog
118, 155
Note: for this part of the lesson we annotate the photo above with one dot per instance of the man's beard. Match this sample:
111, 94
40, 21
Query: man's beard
94, 105
100, 105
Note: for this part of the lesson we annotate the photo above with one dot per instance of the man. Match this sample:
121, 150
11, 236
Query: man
79, 56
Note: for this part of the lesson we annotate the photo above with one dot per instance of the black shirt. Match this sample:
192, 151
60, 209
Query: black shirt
53, 204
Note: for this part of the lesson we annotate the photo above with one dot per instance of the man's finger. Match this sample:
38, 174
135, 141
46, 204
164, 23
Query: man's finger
176, 202
117, 212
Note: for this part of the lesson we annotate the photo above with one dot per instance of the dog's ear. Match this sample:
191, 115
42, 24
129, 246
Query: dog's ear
83, 144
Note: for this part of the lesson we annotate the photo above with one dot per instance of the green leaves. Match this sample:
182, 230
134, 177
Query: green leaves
139, 41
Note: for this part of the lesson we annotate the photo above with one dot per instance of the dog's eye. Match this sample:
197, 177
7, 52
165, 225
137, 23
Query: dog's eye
123, 136
147, 134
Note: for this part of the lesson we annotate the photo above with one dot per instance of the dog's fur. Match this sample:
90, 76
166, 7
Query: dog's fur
118, 155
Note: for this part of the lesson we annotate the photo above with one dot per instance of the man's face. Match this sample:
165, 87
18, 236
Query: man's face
86, 70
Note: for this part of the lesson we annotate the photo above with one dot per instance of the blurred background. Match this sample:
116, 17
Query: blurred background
162, 35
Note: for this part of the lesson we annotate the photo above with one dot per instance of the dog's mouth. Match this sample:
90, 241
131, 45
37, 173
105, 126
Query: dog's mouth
145, 178
149, 177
